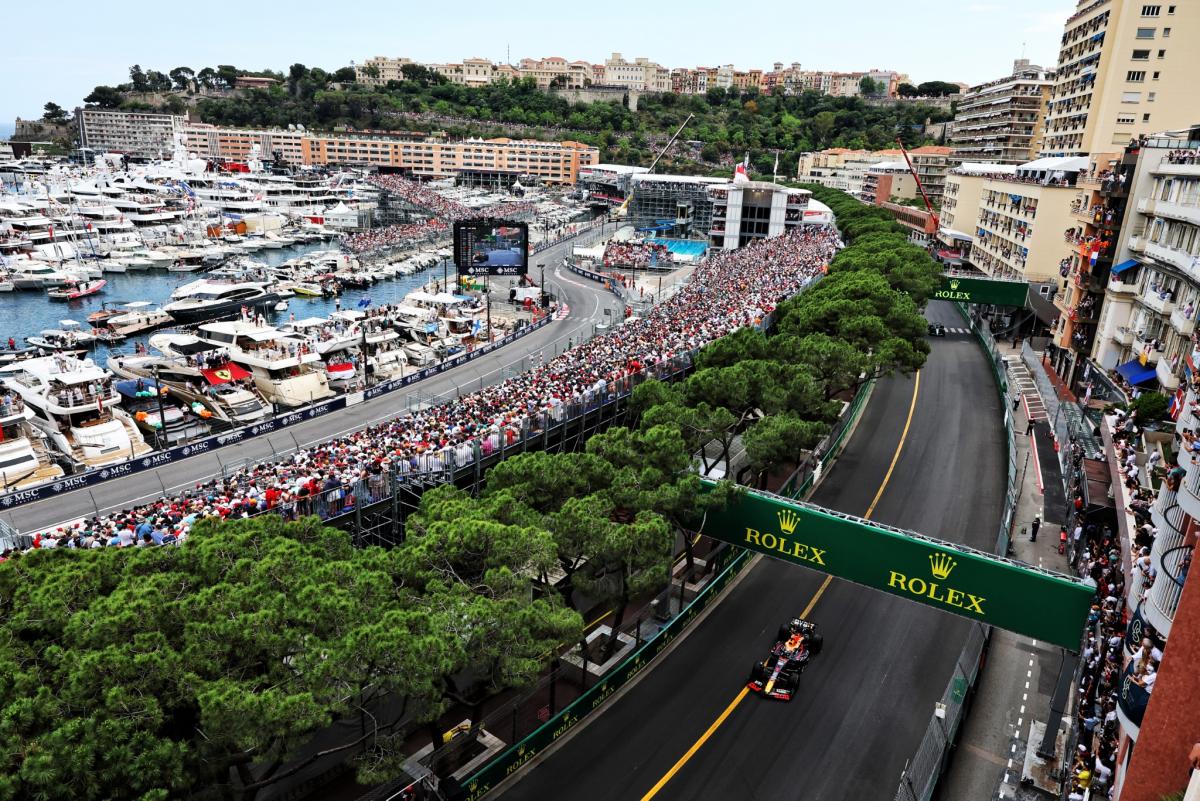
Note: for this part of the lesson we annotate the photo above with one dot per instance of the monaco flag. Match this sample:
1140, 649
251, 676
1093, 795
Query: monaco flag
741, 175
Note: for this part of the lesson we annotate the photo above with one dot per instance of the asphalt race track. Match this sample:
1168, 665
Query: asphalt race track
586, 299
865, 702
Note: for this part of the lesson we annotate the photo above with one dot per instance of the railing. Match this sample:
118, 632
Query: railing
919, 778
1173, 567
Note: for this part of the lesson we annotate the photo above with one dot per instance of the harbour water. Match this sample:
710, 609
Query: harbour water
29, 312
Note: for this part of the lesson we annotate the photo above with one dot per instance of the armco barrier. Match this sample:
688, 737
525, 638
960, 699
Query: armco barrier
920, 776
511, 760
150, 461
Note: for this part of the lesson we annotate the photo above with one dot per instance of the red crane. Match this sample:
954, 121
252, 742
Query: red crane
917, 178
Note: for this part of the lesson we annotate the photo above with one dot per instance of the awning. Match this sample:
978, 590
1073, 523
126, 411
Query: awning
952, 234
1125, 265
1136, 373
225, 374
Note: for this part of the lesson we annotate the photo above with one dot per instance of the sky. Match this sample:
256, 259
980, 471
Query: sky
88, 44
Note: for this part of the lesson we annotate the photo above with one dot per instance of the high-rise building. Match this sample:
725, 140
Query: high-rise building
1003, 120
1125, 68
137, 134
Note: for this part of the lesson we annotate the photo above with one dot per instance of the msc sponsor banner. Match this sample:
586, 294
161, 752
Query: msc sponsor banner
973, 584
16, 498
510, 761
982, 290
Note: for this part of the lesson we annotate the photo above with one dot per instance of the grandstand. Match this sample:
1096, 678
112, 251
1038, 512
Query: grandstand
672, 206
606, 184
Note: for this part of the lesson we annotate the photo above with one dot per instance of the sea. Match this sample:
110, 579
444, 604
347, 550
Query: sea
26, 313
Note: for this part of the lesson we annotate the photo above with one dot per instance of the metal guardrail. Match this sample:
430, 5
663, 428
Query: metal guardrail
920, 776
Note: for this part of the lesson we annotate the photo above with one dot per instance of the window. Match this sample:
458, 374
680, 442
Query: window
1145, 118
1146, 33
1162, 53
1131, 97
1166, 32
1151, 11
1125, 119
1170, 9
1135, 76
1156, 74
1141, 55
1150, 97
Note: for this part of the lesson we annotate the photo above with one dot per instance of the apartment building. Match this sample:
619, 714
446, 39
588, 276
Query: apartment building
888, 181
1003, 120
556, 72
1150, 309
475, 72
1125, 68
237, 144
641, 74
839, 168
551, 162
137, 134
377, 71
961, 199
931, 163
1023, 218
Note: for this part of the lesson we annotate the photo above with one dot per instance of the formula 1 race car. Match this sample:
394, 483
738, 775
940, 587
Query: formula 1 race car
778, 676
937, 330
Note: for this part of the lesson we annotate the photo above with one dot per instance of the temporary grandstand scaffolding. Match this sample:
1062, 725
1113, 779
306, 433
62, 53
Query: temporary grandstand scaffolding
681, 201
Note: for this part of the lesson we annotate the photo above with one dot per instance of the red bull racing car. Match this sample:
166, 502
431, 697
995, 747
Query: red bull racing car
778, 676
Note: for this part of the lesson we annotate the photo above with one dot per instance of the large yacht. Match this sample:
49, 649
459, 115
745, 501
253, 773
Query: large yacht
209, 300
218, 389
23, 457
74, 404
285, 367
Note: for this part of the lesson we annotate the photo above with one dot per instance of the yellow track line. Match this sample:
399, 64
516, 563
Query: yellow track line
716, 724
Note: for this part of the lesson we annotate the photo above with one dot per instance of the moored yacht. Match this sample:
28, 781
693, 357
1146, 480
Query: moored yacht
209, 300
23, 457
74, 405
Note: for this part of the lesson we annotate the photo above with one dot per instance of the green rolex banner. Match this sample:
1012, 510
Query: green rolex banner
979, 586
982, 290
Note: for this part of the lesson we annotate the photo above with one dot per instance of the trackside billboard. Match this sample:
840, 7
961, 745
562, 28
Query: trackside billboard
975, 585
982, 290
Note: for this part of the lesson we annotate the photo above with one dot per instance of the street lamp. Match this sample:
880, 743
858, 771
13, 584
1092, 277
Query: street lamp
542, 288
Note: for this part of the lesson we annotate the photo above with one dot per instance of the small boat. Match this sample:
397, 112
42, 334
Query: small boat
76, 289
7, 286
281, 306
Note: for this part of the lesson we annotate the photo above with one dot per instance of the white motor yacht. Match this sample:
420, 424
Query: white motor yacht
216, 389
75, 406
285, 367
23, 456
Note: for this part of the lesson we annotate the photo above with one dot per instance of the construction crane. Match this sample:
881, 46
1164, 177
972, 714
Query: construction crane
920, 186
623, 209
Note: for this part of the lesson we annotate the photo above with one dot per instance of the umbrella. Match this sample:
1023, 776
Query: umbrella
69, 323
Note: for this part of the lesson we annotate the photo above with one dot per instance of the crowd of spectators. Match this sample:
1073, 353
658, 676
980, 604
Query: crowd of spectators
1183, 157
728, 291
634, 255
394, 236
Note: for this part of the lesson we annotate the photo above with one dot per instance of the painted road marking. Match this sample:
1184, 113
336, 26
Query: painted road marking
716, 724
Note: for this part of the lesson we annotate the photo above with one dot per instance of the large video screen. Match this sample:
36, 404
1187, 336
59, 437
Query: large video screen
491, 247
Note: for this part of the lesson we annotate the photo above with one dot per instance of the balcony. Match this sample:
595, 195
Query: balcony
1143, 346
1121, 288
1168, 379
1182, 322
1177, 211
1123, 335
1137, 244
1159, 303
1189, 493
1146, 205
1179, 259
1168, 556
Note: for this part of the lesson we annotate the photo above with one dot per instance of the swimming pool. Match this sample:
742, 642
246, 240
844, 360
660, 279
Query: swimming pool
682, 247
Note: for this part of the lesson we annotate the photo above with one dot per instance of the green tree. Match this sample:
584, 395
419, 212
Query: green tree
780, 440
226, 75
182, 78
822, 126
907, 90
104, 97
937, 89
868, 87
137, 79
52, 112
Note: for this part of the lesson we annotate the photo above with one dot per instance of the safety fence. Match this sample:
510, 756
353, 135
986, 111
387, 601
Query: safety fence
920, 775
801, 482
156, 459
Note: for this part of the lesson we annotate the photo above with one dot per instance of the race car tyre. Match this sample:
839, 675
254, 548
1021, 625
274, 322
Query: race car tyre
815, 644
757, 673
783, 634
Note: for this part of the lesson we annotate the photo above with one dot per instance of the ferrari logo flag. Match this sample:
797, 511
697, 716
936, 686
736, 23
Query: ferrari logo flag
224, 374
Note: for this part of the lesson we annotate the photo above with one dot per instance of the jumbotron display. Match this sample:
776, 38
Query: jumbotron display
491, 247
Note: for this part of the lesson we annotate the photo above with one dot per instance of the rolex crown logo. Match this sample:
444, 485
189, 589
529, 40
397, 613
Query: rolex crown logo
954, 283
788, 520
941, 564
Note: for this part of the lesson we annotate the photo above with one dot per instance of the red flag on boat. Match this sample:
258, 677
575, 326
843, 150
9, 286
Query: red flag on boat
225, 373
